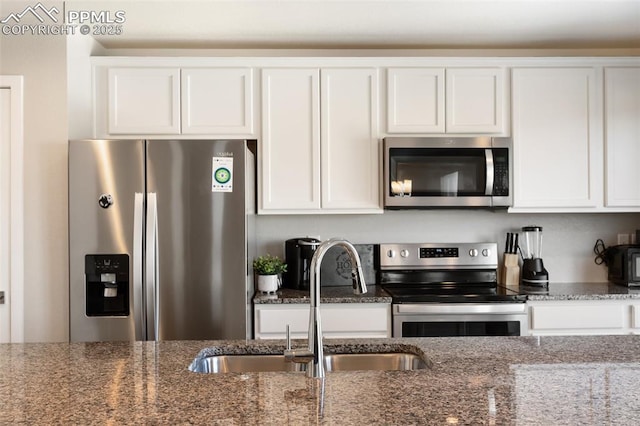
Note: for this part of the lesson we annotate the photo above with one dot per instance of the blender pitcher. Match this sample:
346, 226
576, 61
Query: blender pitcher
533, 271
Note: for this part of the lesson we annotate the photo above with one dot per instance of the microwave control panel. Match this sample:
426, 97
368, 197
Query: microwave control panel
501, 172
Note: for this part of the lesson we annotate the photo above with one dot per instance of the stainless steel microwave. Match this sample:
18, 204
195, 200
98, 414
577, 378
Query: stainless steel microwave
425, 172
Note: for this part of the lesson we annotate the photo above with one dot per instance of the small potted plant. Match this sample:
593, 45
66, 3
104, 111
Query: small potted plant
269, 269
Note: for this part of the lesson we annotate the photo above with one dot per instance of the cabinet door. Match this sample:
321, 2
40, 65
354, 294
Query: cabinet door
144, 101
557, 147
475, 100
622, 137
415, 100
217, 101
349, 139
290, 145
576, 318
339, 320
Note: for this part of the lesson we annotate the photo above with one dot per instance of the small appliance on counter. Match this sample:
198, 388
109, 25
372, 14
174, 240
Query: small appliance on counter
533, 271
623, 263
298, 254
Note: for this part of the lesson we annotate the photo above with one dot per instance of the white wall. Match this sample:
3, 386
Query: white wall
568, 239
42, 62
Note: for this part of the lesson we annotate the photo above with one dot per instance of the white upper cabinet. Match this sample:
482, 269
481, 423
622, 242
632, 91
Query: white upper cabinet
558, 158
319, 146
451, 100
622, 136
349, 135
289, 159
138, 100
475, 100
415, 100
217, 101
143, 101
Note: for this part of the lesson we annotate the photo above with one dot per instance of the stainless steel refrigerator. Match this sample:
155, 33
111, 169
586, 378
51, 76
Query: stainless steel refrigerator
160, 238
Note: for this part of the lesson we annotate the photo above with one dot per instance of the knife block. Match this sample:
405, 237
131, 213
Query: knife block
510, 271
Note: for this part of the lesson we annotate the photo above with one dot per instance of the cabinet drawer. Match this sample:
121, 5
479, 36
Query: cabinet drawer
355, 318
275, 321
580, 317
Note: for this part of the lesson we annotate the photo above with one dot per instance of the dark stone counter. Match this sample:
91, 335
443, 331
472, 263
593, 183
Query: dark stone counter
472, 380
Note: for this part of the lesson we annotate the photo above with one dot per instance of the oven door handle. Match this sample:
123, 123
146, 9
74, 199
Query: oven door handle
460, 308
488, 189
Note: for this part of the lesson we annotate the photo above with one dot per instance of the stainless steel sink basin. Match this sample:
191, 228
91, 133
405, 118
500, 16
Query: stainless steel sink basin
333, 362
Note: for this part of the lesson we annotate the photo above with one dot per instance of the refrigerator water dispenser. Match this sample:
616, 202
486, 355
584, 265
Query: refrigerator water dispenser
107, 285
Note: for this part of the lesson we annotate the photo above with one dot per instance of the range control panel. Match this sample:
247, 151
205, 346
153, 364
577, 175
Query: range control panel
438, 256
429, 252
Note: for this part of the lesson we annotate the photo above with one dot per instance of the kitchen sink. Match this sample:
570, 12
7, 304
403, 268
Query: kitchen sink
252, 363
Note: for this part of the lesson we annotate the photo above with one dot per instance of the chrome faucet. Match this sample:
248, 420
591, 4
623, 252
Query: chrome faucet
314, 354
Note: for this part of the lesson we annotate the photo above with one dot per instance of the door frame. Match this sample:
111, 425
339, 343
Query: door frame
14, 295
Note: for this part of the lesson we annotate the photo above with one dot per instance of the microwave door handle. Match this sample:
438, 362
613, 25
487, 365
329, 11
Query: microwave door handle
488, 190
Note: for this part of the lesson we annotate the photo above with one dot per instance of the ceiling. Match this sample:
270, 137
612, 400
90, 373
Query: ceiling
367, 24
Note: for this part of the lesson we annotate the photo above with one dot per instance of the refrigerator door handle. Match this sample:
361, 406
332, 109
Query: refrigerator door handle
137, 256
151, 268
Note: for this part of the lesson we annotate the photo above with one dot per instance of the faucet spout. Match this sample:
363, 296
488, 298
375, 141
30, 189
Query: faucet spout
315, 355
357, 276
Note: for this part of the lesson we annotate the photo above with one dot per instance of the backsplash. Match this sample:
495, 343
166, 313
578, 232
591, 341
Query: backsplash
567, 246
336, 266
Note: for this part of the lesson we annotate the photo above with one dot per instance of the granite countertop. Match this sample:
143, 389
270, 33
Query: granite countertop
472, 380
581, 291
336, 294
376, 294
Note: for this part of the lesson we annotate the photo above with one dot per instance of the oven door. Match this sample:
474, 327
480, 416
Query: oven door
459, 319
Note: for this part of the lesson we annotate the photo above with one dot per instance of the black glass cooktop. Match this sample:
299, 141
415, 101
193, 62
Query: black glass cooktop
452, 293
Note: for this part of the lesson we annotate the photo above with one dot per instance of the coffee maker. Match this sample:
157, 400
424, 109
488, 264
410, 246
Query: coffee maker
533, 272
298, 254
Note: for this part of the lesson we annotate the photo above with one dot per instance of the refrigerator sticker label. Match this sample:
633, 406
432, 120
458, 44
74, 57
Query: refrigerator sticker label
222, 177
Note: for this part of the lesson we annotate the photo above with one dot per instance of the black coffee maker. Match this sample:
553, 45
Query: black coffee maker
298, 254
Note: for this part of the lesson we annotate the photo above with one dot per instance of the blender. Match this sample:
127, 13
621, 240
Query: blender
533, 272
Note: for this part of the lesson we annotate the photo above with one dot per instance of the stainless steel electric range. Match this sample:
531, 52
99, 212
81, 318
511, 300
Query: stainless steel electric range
448, 289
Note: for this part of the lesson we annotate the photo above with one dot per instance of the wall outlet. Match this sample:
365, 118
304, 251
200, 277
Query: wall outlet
624, 239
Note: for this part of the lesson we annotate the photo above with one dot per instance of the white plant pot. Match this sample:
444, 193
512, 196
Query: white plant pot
268, 283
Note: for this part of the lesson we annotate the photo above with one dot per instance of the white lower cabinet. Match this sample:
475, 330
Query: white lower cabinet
583, 317
338, 320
